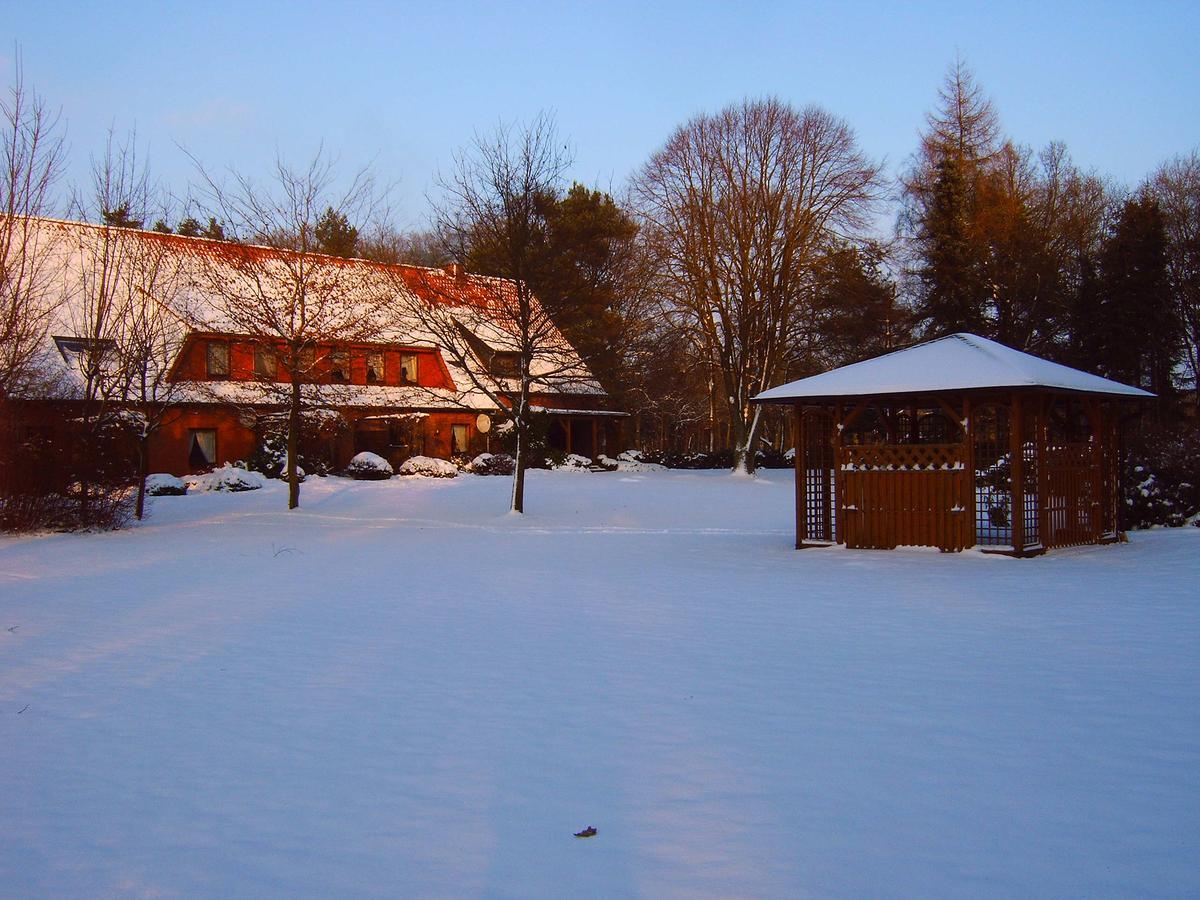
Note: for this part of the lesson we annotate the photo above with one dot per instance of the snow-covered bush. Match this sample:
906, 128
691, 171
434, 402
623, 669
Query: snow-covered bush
429, 466
226, 478
631, 456
1161, 479
493, 464
162, 484
570, 461
367, 466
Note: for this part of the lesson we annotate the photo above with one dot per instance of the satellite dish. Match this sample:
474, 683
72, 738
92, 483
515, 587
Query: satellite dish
483, 423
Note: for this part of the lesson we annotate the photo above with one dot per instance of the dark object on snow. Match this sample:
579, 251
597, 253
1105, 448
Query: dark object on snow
590, 831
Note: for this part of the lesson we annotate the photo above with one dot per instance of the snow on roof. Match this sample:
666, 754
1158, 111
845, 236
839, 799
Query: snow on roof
952, 363
73, 248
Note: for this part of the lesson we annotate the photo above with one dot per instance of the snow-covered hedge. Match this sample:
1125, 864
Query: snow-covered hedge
227, 478
367, 466
1161, 479
429, 466
572, 462
493, 464
161, 484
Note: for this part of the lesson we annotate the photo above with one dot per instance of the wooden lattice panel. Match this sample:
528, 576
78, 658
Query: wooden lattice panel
903, 457
906, 494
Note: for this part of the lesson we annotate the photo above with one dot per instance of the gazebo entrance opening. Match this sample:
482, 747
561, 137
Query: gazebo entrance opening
954, 472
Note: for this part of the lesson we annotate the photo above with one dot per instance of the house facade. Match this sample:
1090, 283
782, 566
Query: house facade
385, 377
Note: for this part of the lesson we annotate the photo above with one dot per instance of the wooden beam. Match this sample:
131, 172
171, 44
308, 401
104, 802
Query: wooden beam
1016, 467
801, 479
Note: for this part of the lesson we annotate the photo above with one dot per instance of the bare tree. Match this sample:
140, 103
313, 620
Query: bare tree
107, 294
493, 329
737, 208
31, 152
279, 290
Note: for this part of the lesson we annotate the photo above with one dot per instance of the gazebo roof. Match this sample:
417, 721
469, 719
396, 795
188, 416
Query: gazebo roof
956, 362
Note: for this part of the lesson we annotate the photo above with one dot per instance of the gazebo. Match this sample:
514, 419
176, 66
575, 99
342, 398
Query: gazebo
954, 443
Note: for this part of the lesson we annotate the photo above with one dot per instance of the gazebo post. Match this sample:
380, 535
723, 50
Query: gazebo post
839, 482
1016, 466
1043, 441
968, 501
801, 479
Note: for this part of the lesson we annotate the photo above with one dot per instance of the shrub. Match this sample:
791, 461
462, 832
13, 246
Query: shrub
367, 466
428, 466
227, 478
163, 485
493, 464
1161, 479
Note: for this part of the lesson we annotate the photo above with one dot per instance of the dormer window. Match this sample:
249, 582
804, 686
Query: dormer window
375, 367
408, 368
339, 365
216, 359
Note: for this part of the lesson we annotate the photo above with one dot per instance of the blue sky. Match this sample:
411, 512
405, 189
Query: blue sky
404, 85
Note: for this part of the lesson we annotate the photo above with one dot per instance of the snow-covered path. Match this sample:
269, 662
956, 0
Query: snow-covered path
400, 691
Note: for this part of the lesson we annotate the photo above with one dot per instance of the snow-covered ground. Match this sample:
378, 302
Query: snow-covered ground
399, 690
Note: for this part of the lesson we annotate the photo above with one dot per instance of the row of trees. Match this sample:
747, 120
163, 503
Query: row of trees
742, 255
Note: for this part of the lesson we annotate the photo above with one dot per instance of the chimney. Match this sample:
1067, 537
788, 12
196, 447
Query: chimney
455, 271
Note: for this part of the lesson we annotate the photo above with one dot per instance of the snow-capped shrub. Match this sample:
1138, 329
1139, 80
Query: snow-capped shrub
428, 466
607, 463
1161, 479
493, 464
163, 485
227, 478
631, 456
367, 466
570, 461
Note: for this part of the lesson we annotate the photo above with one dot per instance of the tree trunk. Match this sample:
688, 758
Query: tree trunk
518, 494
293, 446
143, 465
744, 438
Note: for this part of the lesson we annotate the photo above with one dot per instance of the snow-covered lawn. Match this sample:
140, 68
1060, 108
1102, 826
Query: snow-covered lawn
399, 690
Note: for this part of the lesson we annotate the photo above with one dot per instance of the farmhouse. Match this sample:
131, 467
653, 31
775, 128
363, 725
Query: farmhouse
385, 385
955, 443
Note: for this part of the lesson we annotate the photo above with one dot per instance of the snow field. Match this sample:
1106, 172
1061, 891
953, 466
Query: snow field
399, 690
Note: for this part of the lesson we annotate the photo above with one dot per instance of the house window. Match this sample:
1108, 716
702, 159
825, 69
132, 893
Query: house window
265, 363
408, 368
217, 359
339, 365
458, 439
374, 366
202, 448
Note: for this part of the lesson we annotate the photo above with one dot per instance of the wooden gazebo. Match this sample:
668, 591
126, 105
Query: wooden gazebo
954, 443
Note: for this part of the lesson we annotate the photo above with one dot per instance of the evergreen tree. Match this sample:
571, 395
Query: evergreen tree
1139, 336
161, 226
120, 217
856, 306
951, 294
335, 235
190, 227
214, 230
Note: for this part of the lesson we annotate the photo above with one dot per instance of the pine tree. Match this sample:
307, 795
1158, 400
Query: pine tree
189, 227
214, 231
1139, 336
161, 226
335, 235
952, 297
120, 217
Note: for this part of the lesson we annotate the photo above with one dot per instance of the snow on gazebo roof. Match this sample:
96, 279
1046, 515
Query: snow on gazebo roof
956, 362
